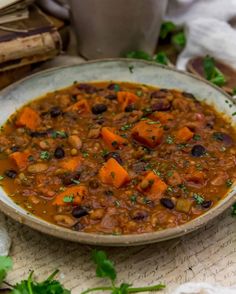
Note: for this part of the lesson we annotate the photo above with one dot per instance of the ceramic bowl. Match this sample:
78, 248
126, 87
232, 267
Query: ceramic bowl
143, 72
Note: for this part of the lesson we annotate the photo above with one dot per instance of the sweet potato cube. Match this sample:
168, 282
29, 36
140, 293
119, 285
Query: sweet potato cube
147, 133
184, 205
112, 173
72, 195
71, 164
152, 186
163, 117
112, 140
184, 134
28, 118
21, 159
81, 106
126, 98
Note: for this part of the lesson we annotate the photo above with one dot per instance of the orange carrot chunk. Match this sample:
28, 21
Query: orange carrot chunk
28, 118
184, 134
152, 186
147, 133
112, 140
72, 195
163, 117
21, 159
112, 173
126, 98
71, 164
81, 106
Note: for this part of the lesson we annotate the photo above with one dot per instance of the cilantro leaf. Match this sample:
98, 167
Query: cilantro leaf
138, 55
198, 198
5, 266
212, 73
68, 198
105, 267
179, 40
167, 27
162, 58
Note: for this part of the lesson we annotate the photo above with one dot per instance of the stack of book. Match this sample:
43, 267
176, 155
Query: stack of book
27, 35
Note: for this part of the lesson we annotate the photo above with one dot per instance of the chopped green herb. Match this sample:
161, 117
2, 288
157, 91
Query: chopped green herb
133, 199
183, 188
113, 174
198, 198
75, 181
68, 199
196, 137
153, 122
229, 183
212, 73
1, 178
131, 68
169, 189
116, 88
199, 166
169, 140
234, 113
126, 127
167, 28
59, 134
45, 155
170, 174
117, 203
182, 146
5, 266
162, 58
234, 91
62, 189
139, 93
31, 158
218, 136
104, 152
85, 154
146, 200
157, 172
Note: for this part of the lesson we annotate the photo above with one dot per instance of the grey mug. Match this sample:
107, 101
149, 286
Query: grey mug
110, 28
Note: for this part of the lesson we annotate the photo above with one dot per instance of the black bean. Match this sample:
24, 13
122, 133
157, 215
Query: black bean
99, 108
167, 202
223, 137
111, 97
129, 108
59, 153
93, 184
159, 94
206, 204
139, 215
161, 105
87, 88
11, 173
79, 211
55, 111
114, 155
68, 179
36, 134
198, 151
15, 148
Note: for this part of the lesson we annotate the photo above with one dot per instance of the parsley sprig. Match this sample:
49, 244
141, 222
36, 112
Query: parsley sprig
212, 73
105, 269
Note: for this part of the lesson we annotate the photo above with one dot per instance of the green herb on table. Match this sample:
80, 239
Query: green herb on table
138, 55
198, 198
162, 58
167, 28
5, 267
212, 73
179, 40
105, 269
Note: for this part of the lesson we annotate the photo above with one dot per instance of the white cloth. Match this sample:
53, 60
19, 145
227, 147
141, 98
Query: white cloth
5, 241
209, 29
203, 288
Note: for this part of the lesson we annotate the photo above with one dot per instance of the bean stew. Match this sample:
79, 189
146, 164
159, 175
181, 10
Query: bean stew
117, 158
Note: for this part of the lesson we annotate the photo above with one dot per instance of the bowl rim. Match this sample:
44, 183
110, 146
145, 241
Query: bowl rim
108, 239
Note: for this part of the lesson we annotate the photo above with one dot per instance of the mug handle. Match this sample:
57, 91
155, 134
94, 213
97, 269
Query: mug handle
55, 8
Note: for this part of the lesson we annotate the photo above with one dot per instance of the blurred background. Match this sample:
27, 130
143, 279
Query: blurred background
187, 34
